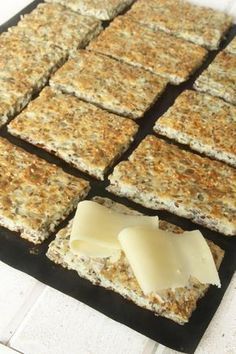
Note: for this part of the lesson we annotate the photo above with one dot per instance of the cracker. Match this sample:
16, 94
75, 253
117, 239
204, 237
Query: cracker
231, 47
196, 24
25, 67
219, 79
158, 52
56, 25
176, 305
101, 9
118, 87
85, 136
33, 59
206, 123
35, 195
14, 95
159, 175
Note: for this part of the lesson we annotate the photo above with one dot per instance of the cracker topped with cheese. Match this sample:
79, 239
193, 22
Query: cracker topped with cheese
102, 9
35, 196
56, 25
159, 175
85, 136
158, 52
117, 87
219, 79
200, 25
118, 275
206, 123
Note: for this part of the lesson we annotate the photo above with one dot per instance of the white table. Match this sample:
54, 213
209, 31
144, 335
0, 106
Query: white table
35, 319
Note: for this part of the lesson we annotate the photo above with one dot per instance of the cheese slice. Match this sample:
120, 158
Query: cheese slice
162, 260
95, 229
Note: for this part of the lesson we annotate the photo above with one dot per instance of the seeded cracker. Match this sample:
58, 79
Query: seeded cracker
14, 95
231, 47
159, 175
219, 79
206, 123
25, 67
102, 9
200, 25
117, 87
176, 305
35, 196
56, 25
85, 136
158, 52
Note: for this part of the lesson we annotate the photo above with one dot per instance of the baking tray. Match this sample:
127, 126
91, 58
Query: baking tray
32, 260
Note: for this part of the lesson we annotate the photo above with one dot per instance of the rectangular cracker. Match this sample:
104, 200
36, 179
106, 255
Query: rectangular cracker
231, 47
176, 305
35, 195
196, 24
118, 87
159, 175
85, 136
14, 95
25, 67
56, 25
33, 59
219, 79
158, 52
103, 10
206, 123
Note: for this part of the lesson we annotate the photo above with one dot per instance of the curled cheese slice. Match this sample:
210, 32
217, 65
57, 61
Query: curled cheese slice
95, 229
163, 260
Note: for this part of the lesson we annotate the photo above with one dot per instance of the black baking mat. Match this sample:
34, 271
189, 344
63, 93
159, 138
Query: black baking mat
31, 259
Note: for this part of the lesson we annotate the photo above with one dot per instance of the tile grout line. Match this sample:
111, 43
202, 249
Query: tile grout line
150, 347
27, 305
9, 348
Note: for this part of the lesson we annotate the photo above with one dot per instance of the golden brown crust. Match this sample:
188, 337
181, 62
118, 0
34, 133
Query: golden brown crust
33, 59
102, 9
206, 123
231, 47
117, 87
159, 175
196, 24
89, 138
177, 305
35, 195
14, 95
25, 66
158, 52
219, 79
56, 25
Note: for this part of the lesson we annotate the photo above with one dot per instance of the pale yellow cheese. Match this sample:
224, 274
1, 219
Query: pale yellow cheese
95, 229
162, 260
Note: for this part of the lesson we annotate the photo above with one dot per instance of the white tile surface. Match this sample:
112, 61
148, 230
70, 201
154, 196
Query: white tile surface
59, 324
15, 293
220, 336
7, 350
232, 9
